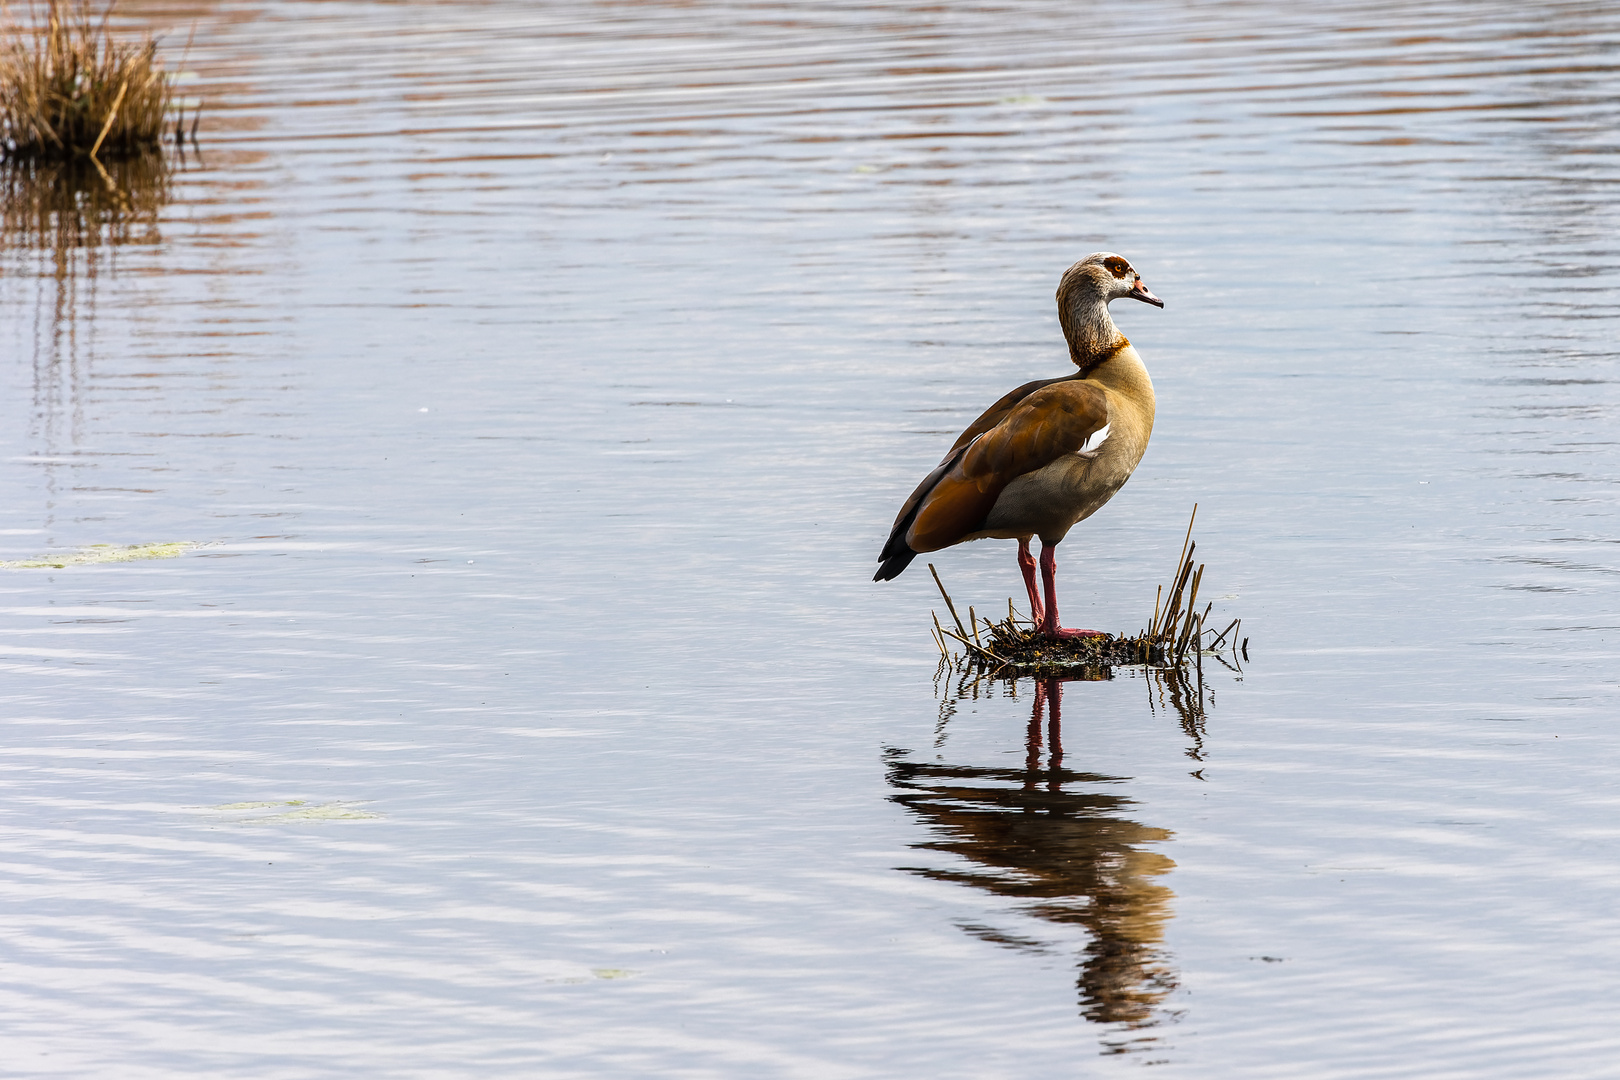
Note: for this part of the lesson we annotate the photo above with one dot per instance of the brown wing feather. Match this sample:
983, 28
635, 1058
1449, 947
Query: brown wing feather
998, 412
895, 553
1056, 419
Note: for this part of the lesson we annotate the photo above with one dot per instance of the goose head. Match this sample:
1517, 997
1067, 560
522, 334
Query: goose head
1083, 297
1107, 276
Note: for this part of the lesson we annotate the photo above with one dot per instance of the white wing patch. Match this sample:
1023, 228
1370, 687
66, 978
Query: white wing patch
1094, 442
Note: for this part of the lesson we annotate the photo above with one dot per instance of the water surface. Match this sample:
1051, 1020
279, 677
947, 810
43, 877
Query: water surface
541, 383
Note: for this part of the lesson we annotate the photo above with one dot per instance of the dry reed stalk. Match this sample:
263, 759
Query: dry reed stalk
939, 639
974, 649
1198, 655
1170, 617
1186, 541
69, 89
1192, 615
948, 603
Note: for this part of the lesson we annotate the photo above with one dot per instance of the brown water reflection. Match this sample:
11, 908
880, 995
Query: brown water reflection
1060, 839
63, 205
69, 217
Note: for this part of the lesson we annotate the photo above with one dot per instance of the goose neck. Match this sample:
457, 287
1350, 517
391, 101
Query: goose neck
1090, 331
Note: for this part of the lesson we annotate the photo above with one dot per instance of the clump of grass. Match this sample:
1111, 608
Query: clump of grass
69, 89
1176, 635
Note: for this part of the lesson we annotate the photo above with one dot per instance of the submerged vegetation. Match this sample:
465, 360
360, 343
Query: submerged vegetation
70, 89
104, 553
1175, 637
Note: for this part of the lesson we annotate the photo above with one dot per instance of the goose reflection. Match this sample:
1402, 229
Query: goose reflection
1062, 840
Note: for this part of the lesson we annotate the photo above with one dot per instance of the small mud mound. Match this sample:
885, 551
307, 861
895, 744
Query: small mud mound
1023, 651
1175, 636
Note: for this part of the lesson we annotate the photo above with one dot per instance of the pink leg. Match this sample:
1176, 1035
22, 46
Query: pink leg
1026, 565
1049, 625
1048, 699
1054, 722
1032, 741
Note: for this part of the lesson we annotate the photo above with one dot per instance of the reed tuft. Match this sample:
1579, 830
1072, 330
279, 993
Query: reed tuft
1175, 637
70, 90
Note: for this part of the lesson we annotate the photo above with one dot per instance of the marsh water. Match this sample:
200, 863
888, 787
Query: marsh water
538, 383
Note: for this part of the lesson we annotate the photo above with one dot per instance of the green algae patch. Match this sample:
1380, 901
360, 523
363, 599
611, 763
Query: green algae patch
604, 974
104, 553
297, 812
334, 811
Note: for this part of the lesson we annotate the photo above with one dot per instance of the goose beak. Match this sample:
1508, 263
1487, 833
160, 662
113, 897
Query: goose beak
1141, 292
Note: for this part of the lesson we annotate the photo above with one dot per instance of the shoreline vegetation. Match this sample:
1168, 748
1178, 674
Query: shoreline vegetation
71, 89
1175, 638
86, 111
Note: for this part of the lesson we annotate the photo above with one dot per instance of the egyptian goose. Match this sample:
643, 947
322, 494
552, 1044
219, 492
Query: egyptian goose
1047, 455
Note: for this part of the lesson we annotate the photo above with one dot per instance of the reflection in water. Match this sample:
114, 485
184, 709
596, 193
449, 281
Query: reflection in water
1060, 839
1174, 689
63, 205
68, 217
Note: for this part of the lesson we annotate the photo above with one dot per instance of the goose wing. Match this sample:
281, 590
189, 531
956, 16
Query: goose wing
1027, 430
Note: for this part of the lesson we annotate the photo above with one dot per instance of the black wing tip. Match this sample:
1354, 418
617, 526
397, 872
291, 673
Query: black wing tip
894, 565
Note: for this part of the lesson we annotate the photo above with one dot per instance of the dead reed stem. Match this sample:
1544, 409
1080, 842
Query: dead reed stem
1234, 624
957, 618
1153, 627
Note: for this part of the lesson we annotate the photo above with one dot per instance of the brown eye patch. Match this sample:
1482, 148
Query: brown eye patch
1117, 266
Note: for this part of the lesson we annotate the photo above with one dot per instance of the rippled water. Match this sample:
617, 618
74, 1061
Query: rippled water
540, 382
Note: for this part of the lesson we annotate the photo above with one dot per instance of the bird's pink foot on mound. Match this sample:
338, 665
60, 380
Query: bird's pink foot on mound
1049, 627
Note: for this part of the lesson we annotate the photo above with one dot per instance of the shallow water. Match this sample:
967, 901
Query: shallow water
541, 384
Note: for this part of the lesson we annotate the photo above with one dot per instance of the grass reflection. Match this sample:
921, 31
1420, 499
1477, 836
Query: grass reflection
65, 220
61, 206
1064, 841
